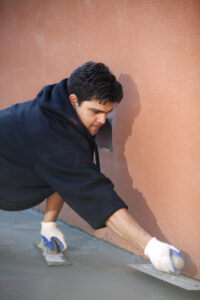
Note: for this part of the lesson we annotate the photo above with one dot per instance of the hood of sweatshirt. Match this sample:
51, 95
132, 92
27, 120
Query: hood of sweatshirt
54, 101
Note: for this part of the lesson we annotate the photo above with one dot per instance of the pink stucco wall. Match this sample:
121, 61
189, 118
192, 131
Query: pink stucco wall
153, 47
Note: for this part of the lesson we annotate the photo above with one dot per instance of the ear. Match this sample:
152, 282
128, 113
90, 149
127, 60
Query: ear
73, 99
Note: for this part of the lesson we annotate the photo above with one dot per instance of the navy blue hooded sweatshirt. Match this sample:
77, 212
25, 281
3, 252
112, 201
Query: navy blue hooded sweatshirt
44, 148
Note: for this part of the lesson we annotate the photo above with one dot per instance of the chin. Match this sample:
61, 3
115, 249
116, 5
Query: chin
94, 132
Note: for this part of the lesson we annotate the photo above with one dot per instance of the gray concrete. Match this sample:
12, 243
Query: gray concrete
98, 272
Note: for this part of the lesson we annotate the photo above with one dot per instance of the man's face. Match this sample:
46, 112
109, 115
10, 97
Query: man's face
91, 113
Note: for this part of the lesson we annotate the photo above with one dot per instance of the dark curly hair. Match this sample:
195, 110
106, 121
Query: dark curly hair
94, 81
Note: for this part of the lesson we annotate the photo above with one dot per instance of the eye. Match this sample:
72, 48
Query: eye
95, 111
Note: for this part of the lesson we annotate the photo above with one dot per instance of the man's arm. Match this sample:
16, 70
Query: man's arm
53, 208
49, 230
160, 254
123, 223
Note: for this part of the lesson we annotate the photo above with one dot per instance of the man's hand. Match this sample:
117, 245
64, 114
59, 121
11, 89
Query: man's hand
161, 256
50, 234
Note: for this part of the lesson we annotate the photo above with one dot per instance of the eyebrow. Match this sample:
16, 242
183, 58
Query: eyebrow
100, 111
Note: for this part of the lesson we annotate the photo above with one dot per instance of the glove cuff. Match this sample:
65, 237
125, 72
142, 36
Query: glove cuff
150, 246
48, 224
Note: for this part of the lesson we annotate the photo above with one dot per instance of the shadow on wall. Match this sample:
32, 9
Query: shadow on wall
128, 111
125, 116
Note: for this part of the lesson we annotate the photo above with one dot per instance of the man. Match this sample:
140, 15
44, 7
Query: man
47, 149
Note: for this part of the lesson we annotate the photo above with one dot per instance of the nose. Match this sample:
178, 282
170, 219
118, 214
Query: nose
102, 118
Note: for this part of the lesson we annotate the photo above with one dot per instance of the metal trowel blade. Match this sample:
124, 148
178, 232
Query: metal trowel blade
179, 280
53, 258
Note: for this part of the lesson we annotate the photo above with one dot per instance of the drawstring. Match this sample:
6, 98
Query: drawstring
96, 156
94, 150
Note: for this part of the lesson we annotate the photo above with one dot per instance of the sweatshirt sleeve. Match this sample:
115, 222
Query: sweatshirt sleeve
87, 191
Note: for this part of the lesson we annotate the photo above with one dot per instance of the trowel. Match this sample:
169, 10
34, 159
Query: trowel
52, 257
179, 280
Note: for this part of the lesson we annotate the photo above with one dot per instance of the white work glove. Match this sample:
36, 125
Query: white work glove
161, 254
51, 234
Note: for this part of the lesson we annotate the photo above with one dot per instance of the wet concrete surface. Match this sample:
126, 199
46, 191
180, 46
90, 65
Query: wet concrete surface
98, 269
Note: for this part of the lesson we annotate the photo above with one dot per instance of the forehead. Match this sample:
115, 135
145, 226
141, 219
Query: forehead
95, 104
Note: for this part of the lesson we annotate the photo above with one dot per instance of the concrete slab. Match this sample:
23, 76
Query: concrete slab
98, 271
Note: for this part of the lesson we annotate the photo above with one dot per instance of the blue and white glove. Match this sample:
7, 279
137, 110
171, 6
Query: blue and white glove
51, 234
163, 256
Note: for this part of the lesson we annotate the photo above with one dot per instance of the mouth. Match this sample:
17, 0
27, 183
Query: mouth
97, 126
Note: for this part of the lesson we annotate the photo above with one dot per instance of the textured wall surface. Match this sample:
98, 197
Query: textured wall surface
153, 47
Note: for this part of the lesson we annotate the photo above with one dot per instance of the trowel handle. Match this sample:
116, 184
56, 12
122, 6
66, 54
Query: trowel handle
175, 252
176, 259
